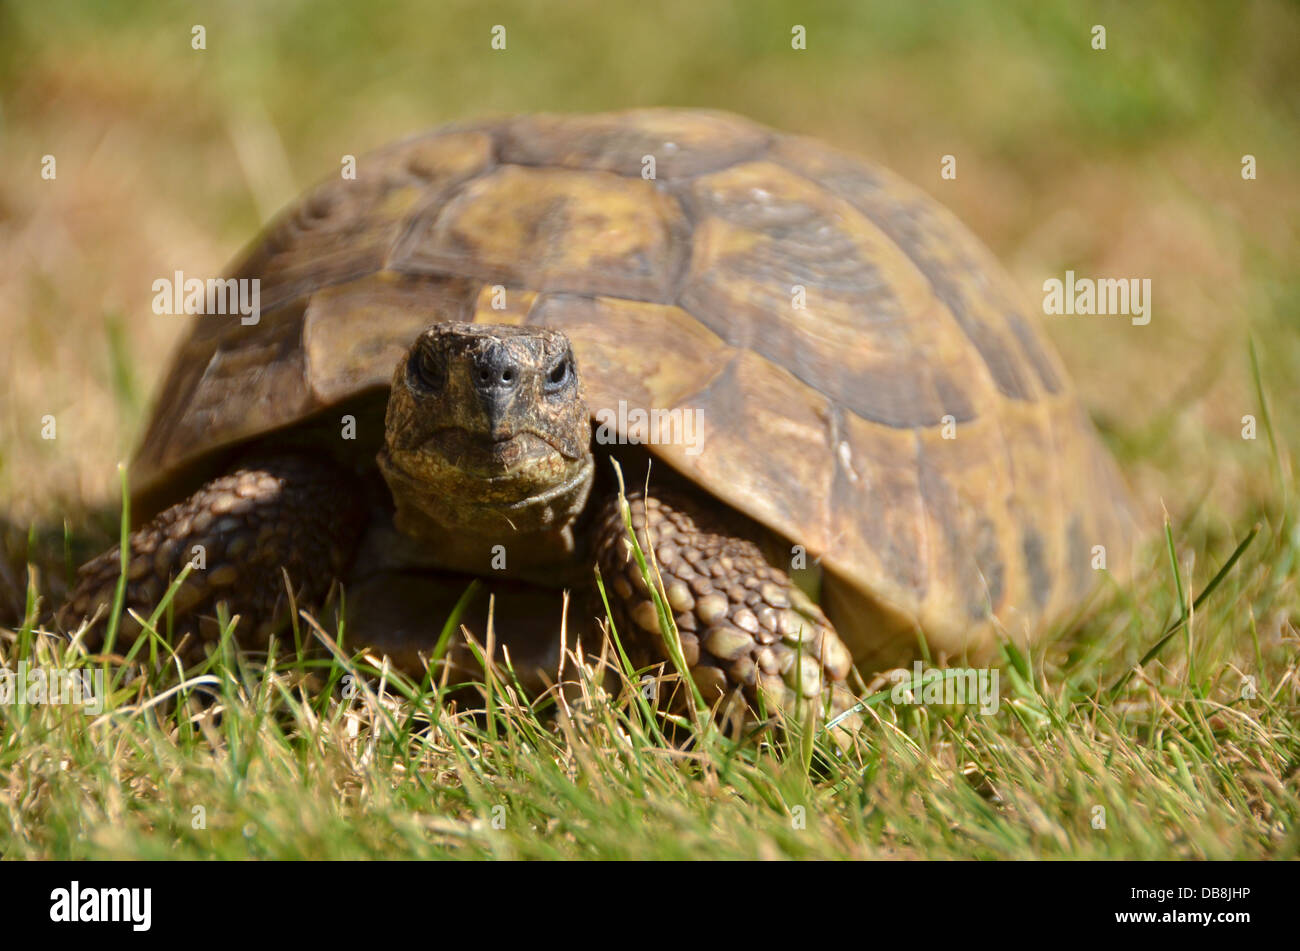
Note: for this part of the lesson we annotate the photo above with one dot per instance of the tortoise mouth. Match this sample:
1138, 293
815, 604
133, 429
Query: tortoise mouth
498, 456
544, 491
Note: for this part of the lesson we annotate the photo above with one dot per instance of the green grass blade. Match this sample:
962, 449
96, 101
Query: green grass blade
1200, 599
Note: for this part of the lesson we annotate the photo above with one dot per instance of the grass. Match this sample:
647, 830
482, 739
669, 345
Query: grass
1172, 705
1192, 751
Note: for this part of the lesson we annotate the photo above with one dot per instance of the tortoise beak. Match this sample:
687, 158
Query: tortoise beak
496, 374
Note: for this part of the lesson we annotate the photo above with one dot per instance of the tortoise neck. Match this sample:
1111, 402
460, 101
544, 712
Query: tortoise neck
535, 534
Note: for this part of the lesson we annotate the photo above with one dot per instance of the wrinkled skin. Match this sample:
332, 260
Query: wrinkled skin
488, 441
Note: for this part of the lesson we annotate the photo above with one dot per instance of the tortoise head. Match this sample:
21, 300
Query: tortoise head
487, 431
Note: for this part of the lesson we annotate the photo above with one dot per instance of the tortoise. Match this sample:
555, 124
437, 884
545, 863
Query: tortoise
840, 432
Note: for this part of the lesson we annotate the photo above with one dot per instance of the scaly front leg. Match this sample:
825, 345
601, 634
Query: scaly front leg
744, 626
239, 533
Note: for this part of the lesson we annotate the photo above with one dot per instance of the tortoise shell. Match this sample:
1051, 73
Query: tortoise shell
869, 385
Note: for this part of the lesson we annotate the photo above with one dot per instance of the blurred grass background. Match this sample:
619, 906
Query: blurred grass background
1121, 163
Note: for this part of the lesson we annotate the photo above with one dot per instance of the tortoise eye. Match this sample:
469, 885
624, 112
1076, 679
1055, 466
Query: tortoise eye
426, 370
560, 374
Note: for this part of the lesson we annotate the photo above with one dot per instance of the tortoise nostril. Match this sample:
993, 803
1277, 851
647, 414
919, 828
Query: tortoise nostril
496, 370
